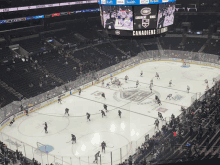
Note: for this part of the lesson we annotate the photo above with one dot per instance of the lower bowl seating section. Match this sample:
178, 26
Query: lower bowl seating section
170, 42
213, 47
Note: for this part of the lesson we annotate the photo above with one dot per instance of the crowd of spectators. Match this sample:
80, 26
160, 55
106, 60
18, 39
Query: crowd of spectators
194, 135
8, 157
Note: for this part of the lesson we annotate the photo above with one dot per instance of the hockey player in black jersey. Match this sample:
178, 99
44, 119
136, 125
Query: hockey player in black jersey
45, 128
26, 111
156, 124
103, 113
119, 113
88, 116
105, 107
67, 111
103, 95
159, 102
73, 138
13, 120
96, 157
150, 88
160, 116
59, 100
103, 146
80, 91
137, 83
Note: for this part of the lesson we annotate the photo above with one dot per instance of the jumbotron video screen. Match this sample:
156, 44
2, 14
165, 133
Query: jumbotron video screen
117, 17
137, 17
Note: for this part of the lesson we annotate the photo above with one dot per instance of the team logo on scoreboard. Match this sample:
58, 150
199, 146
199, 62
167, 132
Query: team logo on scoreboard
103, 1
120, 1
117, 32
146, 11
144, 1
145, 23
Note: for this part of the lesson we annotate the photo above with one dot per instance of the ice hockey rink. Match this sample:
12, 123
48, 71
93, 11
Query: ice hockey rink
137, 105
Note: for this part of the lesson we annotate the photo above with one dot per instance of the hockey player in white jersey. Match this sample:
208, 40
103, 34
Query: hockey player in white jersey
126, 78
108, 85
188, 88
137, 83
157, 75
119, 17
129, 17
214, 80
169, 96
141, 73
151, 82
123, 16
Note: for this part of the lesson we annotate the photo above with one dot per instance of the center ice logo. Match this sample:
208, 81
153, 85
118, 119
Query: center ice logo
135, 95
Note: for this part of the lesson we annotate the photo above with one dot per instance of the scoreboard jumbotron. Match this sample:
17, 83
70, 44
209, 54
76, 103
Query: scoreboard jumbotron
137, 17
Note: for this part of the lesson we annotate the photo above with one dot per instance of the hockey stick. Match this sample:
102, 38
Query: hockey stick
68, 142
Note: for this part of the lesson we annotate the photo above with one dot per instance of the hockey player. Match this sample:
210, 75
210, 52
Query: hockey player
206, 81
80, 91
105, 107
151, 82
67, 111
157, 75
103, 82
214, 80
73, 138
188, 88
119, 113
59, 100
103, 113
141, 73
96, 157
160, 116
107, 85
119, 83
13, 120
103, 95
103, 146
126, 78
88, 116
26, 111
150, 88
170, 83
111, 78
45, 128
156, 97
159, 102
157, 124
169, 96
207, 87
137, 83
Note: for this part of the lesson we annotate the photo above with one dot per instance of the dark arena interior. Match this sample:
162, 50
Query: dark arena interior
146, 74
